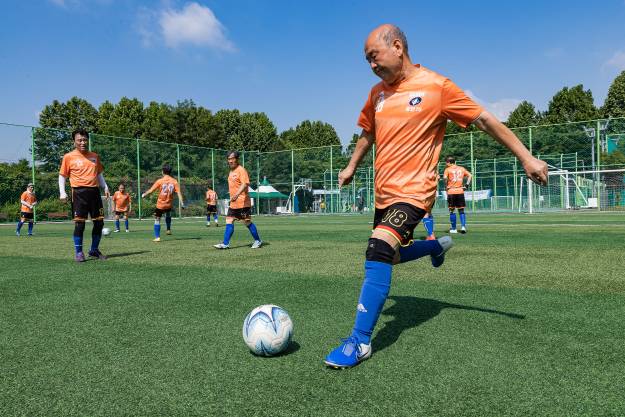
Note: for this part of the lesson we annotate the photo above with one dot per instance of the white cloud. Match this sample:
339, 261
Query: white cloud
501, 108
195, 25
617, 61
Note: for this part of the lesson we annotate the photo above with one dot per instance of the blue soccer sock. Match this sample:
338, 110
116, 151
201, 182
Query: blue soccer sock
19, 226
95, 242
168, 222
463, 219
228, 233
215, 217
126, 223
419, 249
157, 228
452, 220
375, 289
96, 234
428, 223
79, 230
78, 244
30, 228
252, 228
208, 218
117, 224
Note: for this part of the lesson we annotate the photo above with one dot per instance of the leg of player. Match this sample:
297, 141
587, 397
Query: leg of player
116, 223
208, 218
79, 230
428, 223
168, 222
157, 229
227, 234
20, 223
254, 232
96, 236
126, 222
452, 220
31, 224
216, 219
463, 220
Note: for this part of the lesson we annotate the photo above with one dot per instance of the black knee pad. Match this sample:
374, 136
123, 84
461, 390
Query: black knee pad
451, 210
98, 225
461, 211
79, 228
380, 251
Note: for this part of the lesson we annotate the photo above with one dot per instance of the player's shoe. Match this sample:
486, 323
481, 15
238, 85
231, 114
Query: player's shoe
446, 243
116, 231
127, 231
257, 244
208, 224
80, 257
30, 234
97, 254
453, 231
168, 232
157, 239
463, 230
221, 246
432, 237
350, 353
17, 234
216, 224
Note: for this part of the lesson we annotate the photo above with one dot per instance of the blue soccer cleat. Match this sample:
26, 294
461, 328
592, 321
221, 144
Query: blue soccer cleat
446, 243
350, 353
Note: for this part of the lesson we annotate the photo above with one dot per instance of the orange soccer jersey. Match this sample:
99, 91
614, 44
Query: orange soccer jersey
82, 169
121, 201
409, 120
455, 175
236, 178
211, 198
30, 199
168, 186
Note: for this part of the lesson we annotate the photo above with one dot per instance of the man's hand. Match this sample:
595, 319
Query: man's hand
346, 176
536, 170
234, 198
63, 198
107, 194
143, 195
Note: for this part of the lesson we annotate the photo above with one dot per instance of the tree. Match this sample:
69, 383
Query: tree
194, 125
125, 120
614, 105
524, 115
571, 105
309, 134
250, 131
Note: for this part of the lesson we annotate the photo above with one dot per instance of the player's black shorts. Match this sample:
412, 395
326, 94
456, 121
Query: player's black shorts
121, 213
210, 209
240, 213
86, 201
400, 219
27, 216
455, 201
159, 212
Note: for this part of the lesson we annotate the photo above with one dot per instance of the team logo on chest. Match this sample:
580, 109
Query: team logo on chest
414, 100
379, 102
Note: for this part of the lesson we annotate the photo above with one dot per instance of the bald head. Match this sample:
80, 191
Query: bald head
386, 50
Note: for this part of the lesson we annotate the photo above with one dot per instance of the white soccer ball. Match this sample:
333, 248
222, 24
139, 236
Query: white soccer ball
106, 231
267, 330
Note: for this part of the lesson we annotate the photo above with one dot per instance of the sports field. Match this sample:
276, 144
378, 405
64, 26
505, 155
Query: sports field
526, 317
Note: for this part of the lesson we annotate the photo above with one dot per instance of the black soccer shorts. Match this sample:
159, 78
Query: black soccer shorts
240, 213
455, 201
399, 219
86, 201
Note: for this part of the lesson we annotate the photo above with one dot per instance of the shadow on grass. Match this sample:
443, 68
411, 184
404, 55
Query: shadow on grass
119, 255
409, 312
185, 238
292, 348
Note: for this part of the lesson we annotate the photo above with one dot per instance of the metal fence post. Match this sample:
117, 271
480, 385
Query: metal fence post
258, 183
473, 172
179, 183
293, 180
32, 166
139, 177
495, 182
331, 183
213, 169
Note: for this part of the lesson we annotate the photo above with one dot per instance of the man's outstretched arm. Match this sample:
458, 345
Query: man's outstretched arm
362, 147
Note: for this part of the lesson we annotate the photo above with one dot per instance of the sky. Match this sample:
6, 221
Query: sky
294, 60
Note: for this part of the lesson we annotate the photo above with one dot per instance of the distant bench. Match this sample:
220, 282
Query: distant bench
57, 215
3, 217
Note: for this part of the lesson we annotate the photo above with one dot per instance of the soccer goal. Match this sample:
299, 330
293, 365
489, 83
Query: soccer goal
575, 190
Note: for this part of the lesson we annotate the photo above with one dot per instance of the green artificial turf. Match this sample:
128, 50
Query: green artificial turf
526, 317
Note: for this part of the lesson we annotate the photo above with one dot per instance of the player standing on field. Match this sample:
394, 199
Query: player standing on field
211, 207
454, 176
84, 170
167, 186
28, 201
240, 203
121, 206
406, 115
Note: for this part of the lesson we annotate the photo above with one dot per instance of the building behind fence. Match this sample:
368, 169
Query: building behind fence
586, 162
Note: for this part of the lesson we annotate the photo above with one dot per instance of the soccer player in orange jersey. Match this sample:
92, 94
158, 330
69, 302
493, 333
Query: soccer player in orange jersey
122, 204
454, 177
28, 201
166, 186
84, 170
240, 203
405, 115
211, 207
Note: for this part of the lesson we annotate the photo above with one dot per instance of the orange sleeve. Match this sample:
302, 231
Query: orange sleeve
154, 186
98, 165
64, 171
366, 120
446, 174
176, 186
244, 177
457, 106
23, 196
